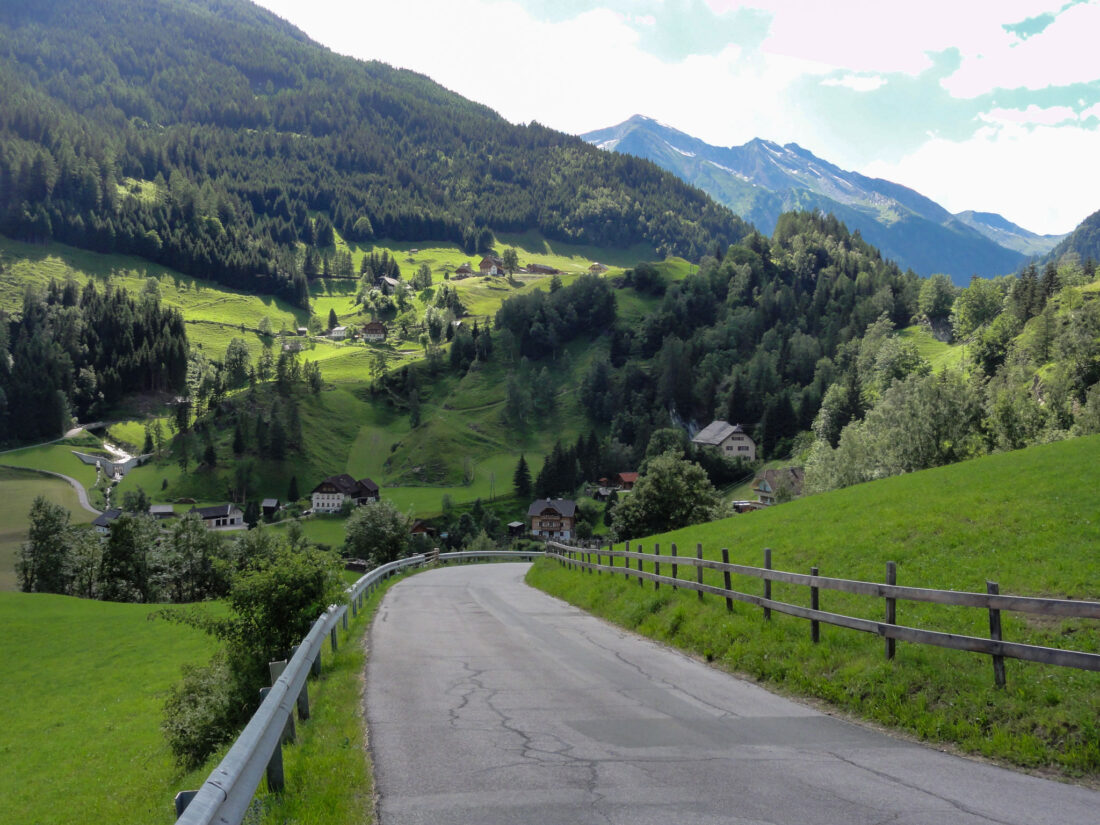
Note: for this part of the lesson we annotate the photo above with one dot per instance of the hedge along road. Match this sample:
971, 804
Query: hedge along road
491, 702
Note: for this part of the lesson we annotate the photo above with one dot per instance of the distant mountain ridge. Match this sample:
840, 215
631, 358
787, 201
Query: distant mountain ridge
761, 179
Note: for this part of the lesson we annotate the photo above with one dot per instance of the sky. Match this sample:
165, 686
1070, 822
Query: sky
991, 105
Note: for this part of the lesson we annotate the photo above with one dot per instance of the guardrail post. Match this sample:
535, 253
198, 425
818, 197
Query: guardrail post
303, 697
673, 549
726, 577
656, 566
276, 780
182, 800
767, 582
815, 625
891, 607
993, 589
699, 568
315, 668
276, 669
332, 638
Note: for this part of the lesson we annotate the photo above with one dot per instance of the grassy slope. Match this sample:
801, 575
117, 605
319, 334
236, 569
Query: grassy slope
81, 706
1025, 519
18, 489
938, 354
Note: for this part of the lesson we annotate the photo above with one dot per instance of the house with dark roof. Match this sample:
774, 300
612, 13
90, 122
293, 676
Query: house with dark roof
553, 518
374, 331
491, 265
269, 507
329, 496
543, 269
104, 520
775, 485
220, 517
464, 270
730, 440
162, 511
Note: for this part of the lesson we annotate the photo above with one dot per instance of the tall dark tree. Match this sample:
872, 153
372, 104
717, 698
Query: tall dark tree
521, 480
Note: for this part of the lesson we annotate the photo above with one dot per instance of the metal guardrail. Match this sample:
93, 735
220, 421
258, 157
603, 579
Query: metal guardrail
226, 795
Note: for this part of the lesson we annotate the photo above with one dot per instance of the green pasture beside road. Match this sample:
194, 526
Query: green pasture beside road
80, 710
56, 458
18, 490
1026, 520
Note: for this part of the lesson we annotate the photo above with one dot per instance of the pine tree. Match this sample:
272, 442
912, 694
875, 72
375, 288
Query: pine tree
292, 493
333, 321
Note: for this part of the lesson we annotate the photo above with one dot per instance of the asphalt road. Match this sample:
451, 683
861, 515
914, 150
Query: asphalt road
490, 702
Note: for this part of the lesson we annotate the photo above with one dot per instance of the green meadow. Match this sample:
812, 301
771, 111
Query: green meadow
940, 355
1026, 520
18, 490
81, 707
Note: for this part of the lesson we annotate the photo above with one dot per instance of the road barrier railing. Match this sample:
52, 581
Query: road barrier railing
226, 795
889, 591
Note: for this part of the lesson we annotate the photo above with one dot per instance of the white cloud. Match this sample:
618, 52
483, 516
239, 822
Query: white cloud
1037, 176
1033, 115
858, 83
1064, 53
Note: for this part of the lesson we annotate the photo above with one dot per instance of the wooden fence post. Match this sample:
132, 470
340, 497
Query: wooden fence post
891, 607
726, 577
993, 589
641, 549
815, 630
656, 566
674, 566
767, 582
626, 559
699, 568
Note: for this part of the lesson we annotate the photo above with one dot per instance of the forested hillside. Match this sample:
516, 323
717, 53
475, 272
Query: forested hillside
212, 137
1032, 375
750, 338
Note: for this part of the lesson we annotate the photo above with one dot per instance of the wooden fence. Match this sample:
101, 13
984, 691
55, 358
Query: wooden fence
889, 591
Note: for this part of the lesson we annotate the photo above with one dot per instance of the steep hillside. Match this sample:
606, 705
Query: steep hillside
209, 136
1084, 241
761, 180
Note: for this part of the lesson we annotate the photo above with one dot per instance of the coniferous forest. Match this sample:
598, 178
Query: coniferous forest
214, 138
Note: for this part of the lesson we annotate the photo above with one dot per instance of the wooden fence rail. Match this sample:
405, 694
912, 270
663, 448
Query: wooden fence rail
890, 592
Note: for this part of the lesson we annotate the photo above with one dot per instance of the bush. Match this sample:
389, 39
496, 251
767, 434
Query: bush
200, 713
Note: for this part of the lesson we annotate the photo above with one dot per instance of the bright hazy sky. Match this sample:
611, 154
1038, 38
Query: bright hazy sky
991, 105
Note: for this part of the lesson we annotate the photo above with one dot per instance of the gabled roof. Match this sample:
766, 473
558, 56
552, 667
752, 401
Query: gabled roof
214, 511
349, 486
628, 478
792, 477
161, 510
269, 502
716, 432
562, 506
105, 518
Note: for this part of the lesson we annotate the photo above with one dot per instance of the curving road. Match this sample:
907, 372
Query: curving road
490, 702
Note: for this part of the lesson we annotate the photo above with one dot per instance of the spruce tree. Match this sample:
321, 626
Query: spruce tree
292, 493
521, 480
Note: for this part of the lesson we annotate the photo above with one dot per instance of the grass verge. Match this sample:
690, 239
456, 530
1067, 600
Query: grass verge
949, 528
328, 769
